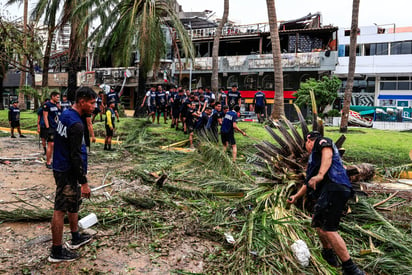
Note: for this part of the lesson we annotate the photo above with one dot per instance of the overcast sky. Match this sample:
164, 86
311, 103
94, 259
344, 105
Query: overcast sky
337, 13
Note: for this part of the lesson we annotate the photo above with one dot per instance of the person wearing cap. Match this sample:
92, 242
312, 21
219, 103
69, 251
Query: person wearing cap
229, 126
14, 119
110, 125
234, 98
327, 182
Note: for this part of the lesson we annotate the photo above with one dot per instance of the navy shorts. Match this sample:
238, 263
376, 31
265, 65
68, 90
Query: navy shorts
152, 109
15, 124
259, 109
161, 109
330, 206
43, 132
109, 132
96, 111
226, 137
50, 134
68, 192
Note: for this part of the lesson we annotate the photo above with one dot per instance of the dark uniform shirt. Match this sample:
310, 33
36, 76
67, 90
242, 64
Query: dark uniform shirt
14, 113
336, 175
53, 114
69, 146
233, 98
213, 120
65, 105
259, 99
223, 97
227, 123
161, 98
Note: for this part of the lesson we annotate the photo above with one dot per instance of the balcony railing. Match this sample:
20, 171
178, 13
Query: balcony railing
264, 62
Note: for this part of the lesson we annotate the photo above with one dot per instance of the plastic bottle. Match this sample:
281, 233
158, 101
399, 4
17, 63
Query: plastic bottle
88, 221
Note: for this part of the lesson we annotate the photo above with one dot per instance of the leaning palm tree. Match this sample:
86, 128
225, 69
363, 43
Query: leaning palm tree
215, 50
278, 106
352, 64
127, 25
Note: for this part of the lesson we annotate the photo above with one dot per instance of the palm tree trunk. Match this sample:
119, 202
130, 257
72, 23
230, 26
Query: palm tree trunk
352, 64
22, 106
215, 51
278, 105
46, 58
74, 57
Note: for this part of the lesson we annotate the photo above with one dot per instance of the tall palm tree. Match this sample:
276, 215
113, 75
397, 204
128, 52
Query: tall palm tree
352, 65
215, 50
278, 105
130, 24
48, 8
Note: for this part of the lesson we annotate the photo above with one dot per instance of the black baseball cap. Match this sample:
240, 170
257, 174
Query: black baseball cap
312, 135
14, 101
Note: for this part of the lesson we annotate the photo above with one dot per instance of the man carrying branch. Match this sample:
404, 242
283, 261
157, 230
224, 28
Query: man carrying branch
327, 182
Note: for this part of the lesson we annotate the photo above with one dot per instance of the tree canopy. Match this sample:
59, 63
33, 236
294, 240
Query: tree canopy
325, 90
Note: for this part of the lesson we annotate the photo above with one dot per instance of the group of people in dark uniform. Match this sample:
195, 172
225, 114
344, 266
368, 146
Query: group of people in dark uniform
52, 108
198, 111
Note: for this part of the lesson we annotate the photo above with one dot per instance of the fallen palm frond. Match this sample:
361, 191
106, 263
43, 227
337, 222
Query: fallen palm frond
24, 214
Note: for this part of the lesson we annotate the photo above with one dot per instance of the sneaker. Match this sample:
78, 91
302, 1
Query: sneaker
83, 239
330, 257
65, 256
49, 166
352, 269
13, 136
22, 136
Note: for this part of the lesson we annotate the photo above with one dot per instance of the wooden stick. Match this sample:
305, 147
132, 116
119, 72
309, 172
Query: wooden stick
100, 187
385, 200
174, 144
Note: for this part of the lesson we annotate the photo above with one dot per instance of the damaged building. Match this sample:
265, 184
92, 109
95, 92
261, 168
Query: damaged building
309, 50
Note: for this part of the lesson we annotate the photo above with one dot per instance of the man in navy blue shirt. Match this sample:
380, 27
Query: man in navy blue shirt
69, 170
327, 182
233, 97
161, 102
214, 121
41, 127
177, 103
14, 119
229, 126
65, 103
222, 97
259, 102
51, 118
150, 99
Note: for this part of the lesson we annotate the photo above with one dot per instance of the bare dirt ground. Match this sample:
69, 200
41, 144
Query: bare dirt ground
25, 245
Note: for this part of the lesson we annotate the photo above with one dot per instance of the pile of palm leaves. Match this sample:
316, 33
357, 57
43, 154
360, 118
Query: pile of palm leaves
271, 227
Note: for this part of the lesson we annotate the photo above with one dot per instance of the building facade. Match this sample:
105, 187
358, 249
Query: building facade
383, 74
